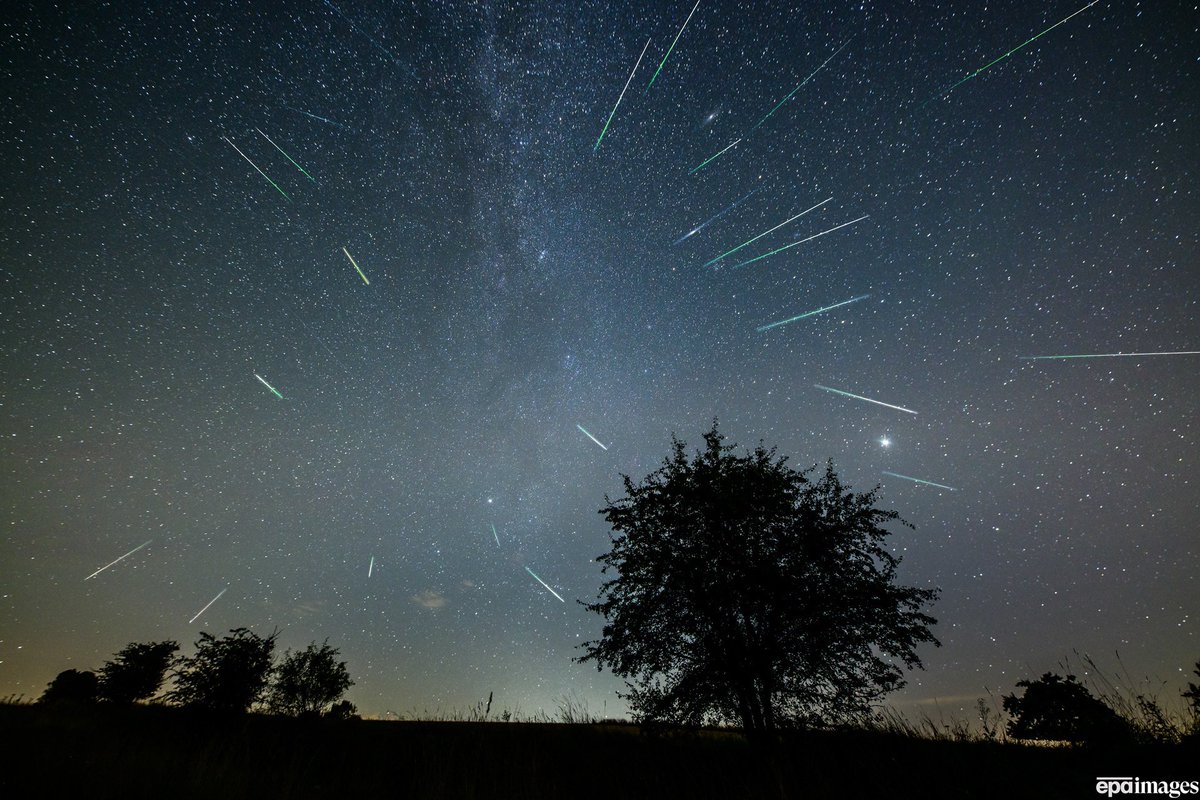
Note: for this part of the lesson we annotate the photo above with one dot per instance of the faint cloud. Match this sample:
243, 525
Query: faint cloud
429, 599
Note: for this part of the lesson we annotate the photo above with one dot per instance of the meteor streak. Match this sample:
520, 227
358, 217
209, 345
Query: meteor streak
813, 313
764, 233
260, 172
585, 433
918, 480
355, 263
543, 583
210, 602
122, 558
701, 227
860, 397
1009, 53
793, 91
289, 158
672, 47
1112, 355
596, 146
269, 386
371, 566
496, 535
699, 166
802, 241
323, 119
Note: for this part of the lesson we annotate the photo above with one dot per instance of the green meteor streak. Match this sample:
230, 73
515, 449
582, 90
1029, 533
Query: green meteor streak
918, 480
269, 386
289, 158
672, 47
802, 241
1111, 355
596, 146
798, 87
813, 313
543, 583
764, 233
1009, 53
260, 172
696, 169
355, 263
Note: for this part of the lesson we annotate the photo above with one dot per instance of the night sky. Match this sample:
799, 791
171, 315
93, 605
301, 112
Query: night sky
526, 285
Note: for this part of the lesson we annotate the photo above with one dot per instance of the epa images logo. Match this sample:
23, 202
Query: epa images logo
1114, 786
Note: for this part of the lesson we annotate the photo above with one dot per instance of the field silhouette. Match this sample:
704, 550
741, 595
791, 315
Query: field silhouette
108, 751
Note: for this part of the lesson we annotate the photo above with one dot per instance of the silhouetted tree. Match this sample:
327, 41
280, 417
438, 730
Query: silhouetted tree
1064, 710
342, 710
308, 680
71, 686
226, 674
746, 592
136, 672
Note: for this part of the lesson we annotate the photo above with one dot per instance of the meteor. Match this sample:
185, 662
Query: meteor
210, 602
860, 397
496, 535
269, 386
701, 227
596, 146
289, 158
697, 168
593, 438
802, 241
1112, 355
371, 566
918, 480
798, 87
672, 47
813, 313
122, 558
1009, 53
323, 119
355, 263
260, 172
543, 583
764, 233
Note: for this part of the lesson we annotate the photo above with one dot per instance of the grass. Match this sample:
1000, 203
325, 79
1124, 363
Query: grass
156, 751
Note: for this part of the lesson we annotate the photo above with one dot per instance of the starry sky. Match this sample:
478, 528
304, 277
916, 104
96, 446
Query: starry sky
529, 281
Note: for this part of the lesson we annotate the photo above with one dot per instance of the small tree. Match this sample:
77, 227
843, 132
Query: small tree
226, 674
746, 592
71, 686
309, 680
136, 672
1063, 710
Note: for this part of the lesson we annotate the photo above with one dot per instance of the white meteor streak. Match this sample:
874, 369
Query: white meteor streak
593, 438
496, 535
371, 566
122, 558
860, 397
918, 480
210, 602
543, 583
764, 233
614, 111
1112, 355
802, 241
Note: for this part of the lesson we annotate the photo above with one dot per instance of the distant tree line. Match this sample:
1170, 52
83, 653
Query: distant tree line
233, 673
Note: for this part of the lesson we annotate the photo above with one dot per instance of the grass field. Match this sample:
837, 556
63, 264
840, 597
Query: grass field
152, 751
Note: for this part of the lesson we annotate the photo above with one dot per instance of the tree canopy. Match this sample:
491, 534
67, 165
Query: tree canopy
744, 591
308, 680
226, 674
136, 672
1062, 710
71, 686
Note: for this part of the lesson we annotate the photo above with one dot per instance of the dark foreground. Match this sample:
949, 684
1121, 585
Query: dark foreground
104, 752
